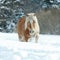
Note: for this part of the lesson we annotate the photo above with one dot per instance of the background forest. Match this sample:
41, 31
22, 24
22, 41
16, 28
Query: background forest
47, 12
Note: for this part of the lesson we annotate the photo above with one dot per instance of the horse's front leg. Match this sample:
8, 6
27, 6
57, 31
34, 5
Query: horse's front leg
36, 37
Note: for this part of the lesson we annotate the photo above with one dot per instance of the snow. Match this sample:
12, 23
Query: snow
17, 0
58, 0
4, 7
47, 48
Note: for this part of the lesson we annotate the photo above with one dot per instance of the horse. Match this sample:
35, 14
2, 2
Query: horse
28, 27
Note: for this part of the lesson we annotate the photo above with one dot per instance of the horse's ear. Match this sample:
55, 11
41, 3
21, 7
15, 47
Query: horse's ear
34, 14
28, 14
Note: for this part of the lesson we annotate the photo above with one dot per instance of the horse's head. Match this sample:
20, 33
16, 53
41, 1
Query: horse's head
30, 23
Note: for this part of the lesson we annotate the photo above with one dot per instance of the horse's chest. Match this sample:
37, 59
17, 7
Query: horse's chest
27, 34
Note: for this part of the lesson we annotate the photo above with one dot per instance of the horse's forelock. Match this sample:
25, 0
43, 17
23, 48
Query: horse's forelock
31, 18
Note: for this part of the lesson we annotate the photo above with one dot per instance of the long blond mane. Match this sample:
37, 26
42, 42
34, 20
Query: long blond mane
30, 18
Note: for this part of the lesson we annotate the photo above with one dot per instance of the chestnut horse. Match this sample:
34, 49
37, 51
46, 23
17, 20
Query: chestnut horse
28, 27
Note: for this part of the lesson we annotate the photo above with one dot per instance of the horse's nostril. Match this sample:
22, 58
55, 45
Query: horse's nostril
31, 31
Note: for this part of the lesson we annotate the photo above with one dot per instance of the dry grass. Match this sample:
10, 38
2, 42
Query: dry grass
49, 21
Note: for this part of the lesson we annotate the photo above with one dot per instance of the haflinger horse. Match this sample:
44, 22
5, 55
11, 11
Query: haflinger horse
27, 27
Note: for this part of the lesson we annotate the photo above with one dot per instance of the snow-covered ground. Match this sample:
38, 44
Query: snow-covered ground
47, 48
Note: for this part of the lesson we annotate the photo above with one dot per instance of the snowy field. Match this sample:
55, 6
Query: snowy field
47, 48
